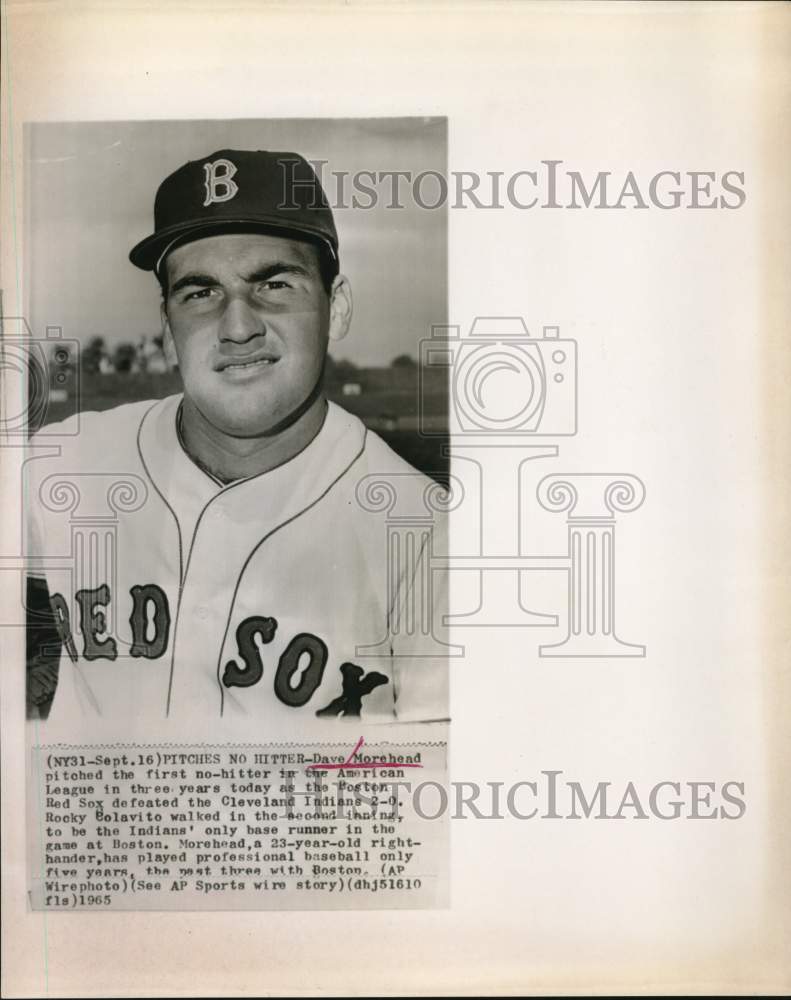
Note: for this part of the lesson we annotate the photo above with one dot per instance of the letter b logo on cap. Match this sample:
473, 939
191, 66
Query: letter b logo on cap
219, 183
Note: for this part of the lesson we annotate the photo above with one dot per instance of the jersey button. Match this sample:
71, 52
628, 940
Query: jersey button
203, 612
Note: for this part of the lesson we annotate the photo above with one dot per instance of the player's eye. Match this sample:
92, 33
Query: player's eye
201, 293
273, 285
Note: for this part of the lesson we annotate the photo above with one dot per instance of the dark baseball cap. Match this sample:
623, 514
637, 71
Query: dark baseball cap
235, 190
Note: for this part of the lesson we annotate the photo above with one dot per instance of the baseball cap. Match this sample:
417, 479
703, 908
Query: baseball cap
235, 190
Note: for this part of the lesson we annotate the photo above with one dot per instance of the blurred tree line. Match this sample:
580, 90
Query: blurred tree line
97, 358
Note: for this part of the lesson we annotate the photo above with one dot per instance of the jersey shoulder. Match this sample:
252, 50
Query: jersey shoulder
387, 481
380, 457
88, 434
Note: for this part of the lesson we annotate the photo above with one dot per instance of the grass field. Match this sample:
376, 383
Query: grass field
387, 403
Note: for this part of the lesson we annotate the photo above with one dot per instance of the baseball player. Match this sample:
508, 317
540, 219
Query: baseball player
211, 553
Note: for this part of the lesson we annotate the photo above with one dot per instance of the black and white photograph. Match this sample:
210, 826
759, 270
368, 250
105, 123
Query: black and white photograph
232, 384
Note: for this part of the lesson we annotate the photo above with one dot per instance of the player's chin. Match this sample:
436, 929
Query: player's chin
252, 419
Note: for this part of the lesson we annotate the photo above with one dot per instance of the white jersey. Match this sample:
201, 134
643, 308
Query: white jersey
284, 597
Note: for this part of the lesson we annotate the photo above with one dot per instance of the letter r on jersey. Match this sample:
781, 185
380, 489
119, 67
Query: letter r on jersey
218, 183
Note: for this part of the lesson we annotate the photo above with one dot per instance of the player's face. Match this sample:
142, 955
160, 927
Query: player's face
250, 320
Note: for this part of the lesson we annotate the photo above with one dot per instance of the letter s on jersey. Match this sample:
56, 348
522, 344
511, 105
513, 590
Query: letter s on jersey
304, 659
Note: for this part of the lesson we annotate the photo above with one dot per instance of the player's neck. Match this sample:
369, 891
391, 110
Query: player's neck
229, 458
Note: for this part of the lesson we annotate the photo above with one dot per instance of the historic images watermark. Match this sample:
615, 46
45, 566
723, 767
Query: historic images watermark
377, 786
42, 370
514, 400
493, 433
548, 184
551, 795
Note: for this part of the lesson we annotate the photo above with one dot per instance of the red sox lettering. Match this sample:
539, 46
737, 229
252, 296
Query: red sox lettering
150, 610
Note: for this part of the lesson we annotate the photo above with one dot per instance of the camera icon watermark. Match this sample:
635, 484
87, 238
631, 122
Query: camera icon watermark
503, 381
511, 394
37, 372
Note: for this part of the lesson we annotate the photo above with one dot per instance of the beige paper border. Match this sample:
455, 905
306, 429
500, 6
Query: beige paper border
776, 439
69, 59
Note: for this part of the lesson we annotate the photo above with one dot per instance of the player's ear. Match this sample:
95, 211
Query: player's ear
168, 346
340, 307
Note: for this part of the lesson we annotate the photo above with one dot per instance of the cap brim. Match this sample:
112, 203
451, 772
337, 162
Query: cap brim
147, 253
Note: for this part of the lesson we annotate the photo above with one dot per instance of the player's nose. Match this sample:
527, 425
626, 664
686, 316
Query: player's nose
240, 322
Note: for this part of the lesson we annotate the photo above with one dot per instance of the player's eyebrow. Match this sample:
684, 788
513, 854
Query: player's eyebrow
198, 280
278, 267
193, 280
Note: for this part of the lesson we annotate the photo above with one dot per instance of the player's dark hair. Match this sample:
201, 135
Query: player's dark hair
329, 266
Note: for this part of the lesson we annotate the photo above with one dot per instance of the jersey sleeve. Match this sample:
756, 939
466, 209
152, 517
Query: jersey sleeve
33, 539
43, 642
42, 639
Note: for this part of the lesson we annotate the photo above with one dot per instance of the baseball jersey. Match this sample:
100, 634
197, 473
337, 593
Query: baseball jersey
304, 593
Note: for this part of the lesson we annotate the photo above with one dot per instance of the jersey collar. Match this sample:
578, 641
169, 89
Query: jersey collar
255, 506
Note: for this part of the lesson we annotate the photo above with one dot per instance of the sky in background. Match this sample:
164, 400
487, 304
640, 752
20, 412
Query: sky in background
91, 188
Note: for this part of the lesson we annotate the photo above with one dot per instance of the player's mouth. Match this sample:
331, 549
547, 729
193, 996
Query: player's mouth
246, 364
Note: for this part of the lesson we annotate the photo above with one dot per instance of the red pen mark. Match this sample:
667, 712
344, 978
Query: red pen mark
347, 765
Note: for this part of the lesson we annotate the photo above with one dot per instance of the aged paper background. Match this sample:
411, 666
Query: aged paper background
681, 318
